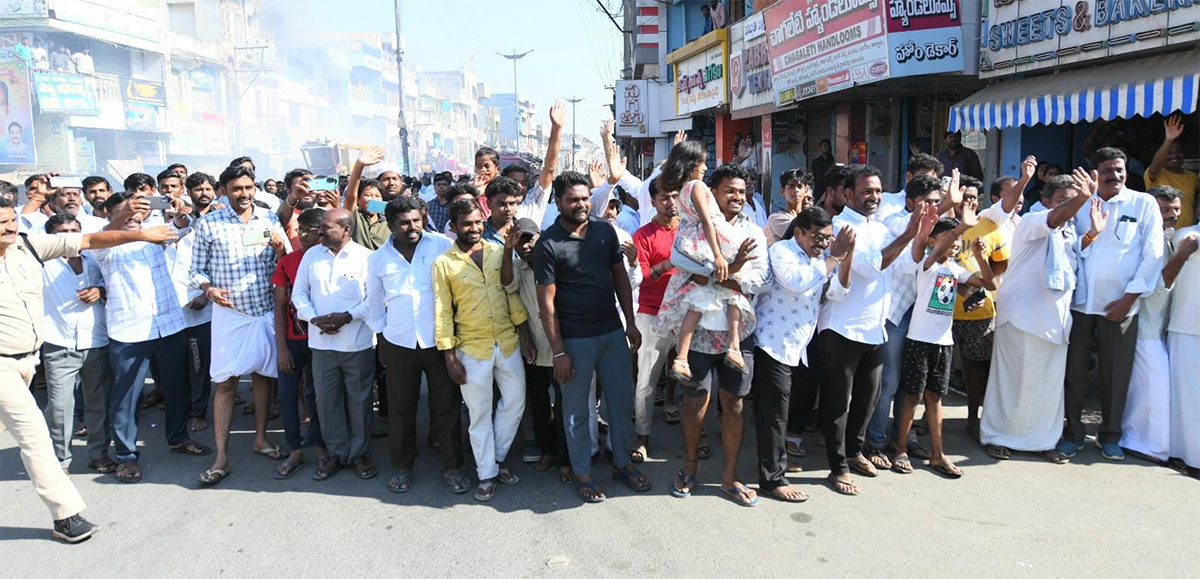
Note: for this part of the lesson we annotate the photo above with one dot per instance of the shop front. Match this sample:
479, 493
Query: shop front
1082, 75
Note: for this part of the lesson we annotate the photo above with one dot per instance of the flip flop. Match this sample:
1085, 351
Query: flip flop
103, 466
638, 454
834, 482
213, 476
946, 469
267, 452
458, 483
902, 465
134, 476
795, 447
671, 416
566, 475
288, 468
629, 476
800, 495
738, 492
486, 491
506, 477
326, 468
590, 485
864, 468
688, 481
400, 482
191, 448
684, 379
998, 452
743, 368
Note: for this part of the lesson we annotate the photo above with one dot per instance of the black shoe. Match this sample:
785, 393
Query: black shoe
74, 529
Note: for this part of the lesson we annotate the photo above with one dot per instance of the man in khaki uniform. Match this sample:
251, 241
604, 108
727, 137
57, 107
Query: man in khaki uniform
21, 335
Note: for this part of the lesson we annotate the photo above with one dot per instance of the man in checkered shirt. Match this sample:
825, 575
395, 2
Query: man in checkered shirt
234, 255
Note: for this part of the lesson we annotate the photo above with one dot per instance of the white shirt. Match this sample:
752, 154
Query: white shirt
179, 257
400, 293
1126, 258
1023, 299
861, 315
903, 279
890, 204
758, 213
84, 63
71, 323
36, 222
787, 314
1153, 309
533, 207
142, 304
934, 289
271, 201
1185, 312
328, 284
1005, 222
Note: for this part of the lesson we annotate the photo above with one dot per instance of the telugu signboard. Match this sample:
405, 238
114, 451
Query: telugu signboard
633, 113
17, 120
700, 81
823, 46
1019, 36
21, 9
749, 65
67, 93
925, 36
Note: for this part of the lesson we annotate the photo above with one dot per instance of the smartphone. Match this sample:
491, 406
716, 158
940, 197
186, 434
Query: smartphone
974, 299
158, 202
323, 184
946, 183
376, 206
66, 182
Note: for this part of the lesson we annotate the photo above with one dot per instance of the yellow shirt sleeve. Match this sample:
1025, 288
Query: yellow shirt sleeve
443, 307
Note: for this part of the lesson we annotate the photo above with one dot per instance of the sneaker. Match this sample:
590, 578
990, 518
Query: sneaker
73, 529
531, 454
1111, 451
1069, 449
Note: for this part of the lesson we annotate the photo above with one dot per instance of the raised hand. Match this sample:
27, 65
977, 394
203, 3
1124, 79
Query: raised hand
1029, 167
916, 221
956, 194
1099, 217
978, 248
1086, 182
842, 244
558, 114
680, 136
371, 156
596, 172
606, 130
1174, 127
969, 218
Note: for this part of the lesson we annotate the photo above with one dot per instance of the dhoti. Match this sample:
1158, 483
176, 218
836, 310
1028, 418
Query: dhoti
1185, 396
1146, 424
242, 344
1024, 408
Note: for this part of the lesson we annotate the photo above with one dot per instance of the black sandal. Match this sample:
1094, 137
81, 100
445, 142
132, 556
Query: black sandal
326, 468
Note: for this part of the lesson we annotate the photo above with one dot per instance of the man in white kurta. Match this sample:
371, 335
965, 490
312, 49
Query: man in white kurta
1183, 345
1023, 406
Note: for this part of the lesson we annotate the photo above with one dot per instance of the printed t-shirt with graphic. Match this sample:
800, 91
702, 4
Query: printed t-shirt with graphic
933, 312
997, 250
285, 277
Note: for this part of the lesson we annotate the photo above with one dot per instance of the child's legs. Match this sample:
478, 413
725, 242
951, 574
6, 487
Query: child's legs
690, 320
908, 408
937, 386
933, 421
733, 315
914, 370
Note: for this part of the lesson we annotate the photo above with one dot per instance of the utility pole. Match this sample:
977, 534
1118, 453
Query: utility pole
400, 72
573, 101
514, 57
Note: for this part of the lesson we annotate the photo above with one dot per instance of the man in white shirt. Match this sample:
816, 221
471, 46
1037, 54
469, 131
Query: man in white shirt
41, 58
787, 318
1023, 402
145, 328
1183, 341
918, 164
400, 308
76, 348
84, 63
852, 332
1117, 267
67, 200
331, 295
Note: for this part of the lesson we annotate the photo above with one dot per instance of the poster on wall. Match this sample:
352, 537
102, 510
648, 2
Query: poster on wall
16, 108
815, 50
925, 38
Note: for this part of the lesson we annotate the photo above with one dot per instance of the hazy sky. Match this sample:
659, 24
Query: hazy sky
576, 49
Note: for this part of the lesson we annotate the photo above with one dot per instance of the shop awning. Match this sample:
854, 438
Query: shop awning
1141, 87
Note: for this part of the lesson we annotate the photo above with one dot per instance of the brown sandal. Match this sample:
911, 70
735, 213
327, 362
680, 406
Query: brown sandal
128, 472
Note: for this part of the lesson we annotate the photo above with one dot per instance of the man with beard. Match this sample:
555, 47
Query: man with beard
330, 294
68, 200
400, 308
584, 330
369, 229
1166, 168
1122, 263
851, 331
956, 156
95, 190
197, 310
233, 259
833, 196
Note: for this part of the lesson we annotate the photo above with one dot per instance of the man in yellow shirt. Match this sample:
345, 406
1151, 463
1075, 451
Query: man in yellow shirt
478, 328
1167, 169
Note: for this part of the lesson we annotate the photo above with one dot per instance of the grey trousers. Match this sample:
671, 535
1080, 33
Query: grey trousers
343, 385
1115, 345
64, 367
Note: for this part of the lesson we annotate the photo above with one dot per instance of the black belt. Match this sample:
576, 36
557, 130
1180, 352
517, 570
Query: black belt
18, 356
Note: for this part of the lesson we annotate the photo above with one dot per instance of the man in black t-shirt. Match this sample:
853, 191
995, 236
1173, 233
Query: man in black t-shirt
575, 293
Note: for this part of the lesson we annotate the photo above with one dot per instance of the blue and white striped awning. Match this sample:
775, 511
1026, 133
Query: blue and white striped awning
1142, 87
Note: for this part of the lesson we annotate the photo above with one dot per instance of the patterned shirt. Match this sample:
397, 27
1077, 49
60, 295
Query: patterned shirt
221, 258
439, 215
142, 303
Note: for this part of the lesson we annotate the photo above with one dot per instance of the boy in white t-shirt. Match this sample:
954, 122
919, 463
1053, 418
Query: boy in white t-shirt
929, 346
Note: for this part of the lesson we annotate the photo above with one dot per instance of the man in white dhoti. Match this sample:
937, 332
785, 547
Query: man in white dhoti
233, 258
1183, 345
1146, 423
1023, 406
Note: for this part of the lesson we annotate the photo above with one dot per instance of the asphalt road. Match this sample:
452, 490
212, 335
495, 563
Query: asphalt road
1021, 518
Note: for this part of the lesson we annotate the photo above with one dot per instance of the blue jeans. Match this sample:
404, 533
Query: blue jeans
890, 397
607, 357
289, 397
130, 362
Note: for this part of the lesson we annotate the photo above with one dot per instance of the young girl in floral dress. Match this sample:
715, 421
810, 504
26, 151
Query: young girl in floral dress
706, 238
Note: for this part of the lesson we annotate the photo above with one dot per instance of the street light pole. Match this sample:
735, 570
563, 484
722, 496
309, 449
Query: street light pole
401, 124
514, 57
573, 101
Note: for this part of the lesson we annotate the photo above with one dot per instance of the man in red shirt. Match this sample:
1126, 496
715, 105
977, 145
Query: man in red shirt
653, 242
295, 358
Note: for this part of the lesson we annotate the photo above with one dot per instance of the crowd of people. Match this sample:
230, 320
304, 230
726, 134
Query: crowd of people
576, 304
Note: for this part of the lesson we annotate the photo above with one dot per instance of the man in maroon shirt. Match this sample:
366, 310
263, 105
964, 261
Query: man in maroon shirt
653, 242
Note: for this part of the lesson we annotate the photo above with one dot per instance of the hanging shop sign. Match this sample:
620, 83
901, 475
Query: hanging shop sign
144, 91
925, 36
749, 67
1021, 36
823, 46
66, 93
632, 109
700, 81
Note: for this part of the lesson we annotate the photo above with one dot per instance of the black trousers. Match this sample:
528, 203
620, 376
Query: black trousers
806, 383
774, 385
541, 411
199, 349
1115, 345
405, 367
850, 378
381, 381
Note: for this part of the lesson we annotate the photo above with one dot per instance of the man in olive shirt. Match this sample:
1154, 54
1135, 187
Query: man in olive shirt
21, 334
